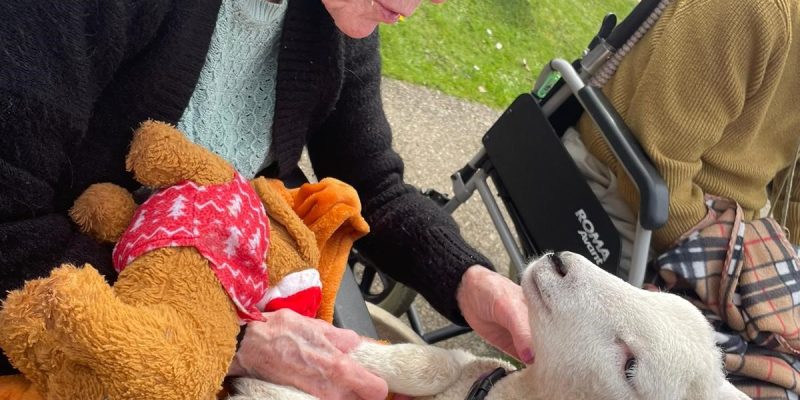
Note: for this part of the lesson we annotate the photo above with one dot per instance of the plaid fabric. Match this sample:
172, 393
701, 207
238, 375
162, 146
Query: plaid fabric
744, 276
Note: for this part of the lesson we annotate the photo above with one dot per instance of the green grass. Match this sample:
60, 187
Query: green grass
449, 47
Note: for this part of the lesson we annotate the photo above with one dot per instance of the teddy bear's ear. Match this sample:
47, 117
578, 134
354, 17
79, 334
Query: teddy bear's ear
103, 211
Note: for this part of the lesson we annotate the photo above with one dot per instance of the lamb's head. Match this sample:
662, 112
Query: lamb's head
598, 337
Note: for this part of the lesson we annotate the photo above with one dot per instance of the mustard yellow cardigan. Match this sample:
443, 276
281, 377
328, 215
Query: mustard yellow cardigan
712, 93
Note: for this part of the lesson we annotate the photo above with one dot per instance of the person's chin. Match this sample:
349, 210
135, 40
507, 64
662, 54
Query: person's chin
358, 30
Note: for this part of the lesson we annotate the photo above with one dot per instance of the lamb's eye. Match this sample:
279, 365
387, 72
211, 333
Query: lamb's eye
630, 368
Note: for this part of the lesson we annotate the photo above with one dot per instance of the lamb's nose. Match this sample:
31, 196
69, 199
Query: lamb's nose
555, 258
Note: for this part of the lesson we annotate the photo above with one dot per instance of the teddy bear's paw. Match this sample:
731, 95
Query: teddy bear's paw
81, 304
75, 381
162, 156
138, 351
103, 211
24, 336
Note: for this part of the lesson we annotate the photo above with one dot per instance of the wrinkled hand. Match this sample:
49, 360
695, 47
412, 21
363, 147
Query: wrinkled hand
308, 354
495, 308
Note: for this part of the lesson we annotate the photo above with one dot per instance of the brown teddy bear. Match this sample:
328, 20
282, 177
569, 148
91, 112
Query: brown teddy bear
167, 328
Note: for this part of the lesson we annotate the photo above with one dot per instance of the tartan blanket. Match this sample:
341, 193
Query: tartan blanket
744, 276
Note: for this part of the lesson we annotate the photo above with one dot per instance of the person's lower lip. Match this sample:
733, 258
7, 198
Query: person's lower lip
388, 16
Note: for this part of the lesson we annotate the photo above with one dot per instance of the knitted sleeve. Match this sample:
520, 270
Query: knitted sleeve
691, 75
411, 239
55, 58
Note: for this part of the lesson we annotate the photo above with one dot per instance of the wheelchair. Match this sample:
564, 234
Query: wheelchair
553, 209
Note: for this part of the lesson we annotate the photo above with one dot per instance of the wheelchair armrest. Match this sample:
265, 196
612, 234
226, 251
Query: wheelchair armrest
350, 309
654, 195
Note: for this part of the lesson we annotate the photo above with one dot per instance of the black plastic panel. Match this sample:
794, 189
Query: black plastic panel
550, 197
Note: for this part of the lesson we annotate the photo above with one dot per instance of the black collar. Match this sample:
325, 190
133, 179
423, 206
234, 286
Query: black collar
485, 383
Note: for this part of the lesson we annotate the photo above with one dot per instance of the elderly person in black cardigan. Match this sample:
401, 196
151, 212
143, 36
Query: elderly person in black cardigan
255, 81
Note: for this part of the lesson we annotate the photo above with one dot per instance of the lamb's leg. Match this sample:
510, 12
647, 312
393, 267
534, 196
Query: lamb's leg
254, 389
412, 369
409, 369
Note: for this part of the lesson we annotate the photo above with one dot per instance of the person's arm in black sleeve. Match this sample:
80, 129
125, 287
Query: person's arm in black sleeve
55, 58
411, 238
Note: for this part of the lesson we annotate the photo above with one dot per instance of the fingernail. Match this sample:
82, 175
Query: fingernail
527, 356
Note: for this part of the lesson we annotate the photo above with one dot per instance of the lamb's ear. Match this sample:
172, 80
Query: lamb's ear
729, 392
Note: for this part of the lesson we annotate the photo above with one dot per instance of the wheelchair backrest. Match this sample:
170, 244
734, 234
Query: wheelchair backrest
548, 198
